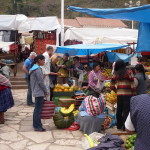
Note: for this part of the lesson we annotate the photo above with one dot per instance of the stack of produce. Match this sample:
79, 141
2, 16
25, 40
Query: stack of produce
61, 88
107, 73
107, 84
111, 97
64, 118
148, 73
130, 142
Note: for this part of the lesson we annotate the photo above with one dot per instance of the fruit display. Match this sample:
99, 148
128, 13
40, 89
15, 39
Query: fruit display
61, 88
75, 112
148, 73
130, 142
111, 97
67, 111
107, 73
107, 84
62, 122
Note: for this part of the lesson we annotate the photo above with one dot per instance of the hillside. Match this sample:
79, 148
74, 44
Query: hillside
52, 7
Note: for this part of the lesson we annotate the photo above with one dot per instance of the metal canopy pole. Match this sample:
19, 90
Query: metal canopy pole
62, 22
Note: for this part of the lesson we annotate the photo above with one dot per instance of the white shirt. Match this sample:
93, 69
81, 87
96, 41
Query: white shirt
129, 124
46, 67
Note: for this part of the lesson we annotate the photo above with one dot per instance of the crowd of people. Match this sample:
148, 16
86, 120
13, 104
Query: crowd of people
42, 72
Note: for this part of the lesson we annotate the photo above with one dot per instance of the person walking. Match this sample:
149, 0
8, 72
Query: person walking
6, 98
39, 91
141, 80
26, 67
46, 69
122, 83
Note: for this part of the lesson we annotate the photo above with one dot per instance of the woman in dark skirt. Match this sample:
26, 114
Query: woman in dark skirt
6, 98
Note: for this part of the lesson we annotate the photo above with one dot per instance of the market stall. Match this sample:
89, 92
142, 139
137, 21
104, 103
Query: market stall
9, 39
133, 13
87, 50
101, 35
45, 32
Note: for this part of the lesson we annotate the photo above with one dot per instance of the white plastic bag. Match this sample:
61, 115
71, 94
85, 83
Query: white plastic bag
94, 136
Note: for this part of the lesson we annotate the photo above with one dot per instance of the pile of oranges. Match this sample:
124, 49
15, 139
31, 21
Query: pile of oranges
61, 88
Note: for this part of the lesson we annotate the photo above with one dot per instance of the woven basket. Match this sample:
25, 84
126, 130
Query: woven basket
48, 109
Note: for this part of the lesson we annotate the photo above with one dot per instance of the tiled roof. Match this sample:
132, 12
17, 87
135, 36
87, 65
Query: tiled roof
71, 22
87, 21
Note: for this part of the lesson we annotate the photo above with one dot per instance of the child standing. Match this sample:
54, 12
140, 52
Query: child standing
38, 90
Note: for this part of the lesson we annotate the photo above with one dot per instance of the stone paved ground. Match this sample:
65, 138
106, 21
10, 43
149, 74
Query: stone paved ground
17, 132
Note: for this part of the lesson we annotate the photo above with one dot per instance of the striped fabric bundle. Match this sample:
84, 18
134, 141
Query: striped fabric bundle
94, 106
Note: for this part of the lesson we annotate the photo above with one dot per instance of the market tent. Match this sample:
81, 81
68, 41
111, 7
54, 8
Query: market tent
11, 22
102, 35
49, 23
113, 57
87, 50
134, 13
40, 23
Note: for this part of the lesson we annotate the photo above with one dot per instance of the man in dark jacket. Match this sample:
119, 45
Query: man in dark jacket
138, 120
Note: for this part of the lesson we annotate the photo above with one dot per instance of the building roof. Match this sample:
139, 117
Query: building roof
98, 22
71, 22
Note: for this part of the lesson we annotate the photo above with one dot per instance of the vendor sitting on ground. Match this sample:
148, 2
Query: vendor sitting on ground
91, 115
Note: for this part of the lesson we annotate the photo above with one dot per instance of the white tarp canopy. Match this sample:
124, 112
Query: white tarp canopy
49, 23
40, 23
11, 22
102, 35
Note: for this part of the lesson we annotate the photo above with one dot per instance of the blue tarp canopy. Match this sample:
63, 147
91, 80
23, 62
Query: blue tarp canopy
113, 57
82, 50
140, 14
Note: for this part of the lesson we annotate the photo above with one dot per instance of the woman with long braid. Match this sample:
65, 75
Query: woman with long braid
122, 83
141, 80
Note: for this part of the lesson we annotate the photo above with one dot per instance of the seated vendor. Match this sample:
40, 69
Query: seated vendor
91, 115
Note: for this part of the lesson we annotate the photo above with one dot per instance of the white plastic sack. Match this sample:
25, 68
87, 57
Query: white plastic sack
94, 136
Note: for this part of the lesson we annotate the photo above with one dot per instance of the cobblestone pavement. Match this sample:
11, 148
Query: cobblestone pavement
17, 132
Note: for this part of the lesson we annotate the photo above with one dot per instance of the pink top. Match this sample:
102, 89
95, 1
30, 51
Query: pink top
95, 79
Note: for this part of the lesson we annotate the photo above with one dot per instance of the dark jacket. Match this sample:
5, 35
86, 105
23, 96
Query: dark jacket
140, 117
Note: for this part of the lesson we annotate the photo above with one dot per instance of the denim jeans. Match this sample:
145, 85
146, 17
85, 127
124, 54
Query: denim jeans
37, 113
29, 93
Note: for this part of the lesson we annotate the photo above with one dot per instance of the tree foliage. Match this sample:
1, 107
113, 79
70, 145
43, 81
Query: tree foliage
53, 7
